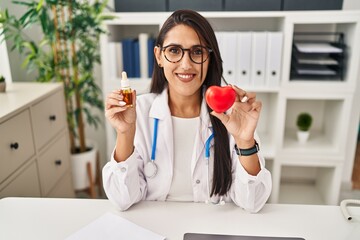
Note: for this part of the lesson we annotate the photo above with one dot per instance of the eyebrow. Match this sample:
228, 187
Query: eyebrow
179, 45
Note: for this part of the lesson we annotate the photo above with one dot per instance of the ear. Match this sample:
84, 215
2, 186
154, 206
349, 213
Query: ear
157, 54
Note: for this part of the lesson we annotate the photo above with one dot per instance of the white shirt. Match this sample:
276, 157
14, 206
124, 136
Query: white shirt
185, 130
125, 183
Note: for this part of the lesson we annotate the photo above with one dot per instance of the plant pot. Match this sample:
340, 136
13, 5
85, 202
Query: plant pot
303, 136
2, 86
79, 162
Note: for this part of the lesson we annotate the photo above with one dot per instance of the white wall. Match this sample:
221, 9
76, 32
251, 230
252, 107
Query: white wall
4, 61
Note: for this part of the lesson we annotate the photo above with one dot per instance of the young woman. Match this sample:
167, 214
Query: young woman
170, 145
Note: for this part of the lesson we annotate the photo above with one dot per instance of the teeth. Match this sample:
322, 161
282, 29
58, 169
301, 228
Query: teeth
185, 75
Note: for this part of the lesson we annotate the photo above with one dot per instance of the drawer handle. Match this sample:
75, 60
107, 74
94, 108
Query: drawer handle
52, 117
14, 145
58, 162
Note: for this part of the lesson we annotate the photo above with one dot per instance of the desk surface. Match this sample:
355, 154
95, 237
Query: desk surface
51, 218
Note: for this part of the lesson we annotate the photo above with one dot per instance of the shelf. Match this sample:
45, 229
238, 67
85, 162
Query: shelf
351, 62
333, 104
310, 185
267, 23
267, 118
297, 193
119, 32
318, 142
326, 129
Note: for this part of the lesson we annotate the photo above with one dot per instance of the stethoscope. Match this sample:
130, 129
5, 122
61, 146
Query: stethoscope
151, 168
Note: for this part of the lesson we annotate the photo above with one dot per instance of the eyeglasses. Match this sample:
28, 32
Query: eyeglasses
198, 54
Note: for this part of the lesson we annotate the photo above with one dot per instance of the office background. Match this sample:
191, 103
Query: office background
20, 75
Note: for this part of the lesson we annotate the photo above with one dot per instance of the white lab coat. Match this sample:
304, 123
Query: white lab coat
126, 184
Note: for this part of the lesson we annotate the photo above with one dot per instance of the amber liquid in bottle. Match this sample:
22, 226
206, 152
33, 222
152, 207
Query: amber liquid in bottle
127, 94
126, 90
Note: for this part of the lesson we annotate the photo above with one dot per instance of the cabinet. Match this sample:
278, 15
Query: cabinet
35, 157
302, 173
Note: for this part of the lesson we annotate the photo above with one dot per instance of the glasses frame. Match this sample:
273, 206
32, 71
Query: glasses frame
163, 49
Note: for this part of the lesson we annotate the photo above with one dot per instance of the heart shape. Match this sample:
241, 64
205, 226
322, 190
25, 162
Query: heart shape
220, 99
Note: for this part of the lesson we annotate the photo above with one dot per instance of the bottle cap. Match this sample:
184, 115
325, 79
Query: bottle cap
124, 80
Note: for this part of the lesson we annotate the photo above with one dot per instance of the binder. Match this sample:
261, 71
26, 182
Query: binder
243, 55
228, 47
128, 56
112, 60
273, 58
258, 61
119, 59
150, 55
143, 45
136, 54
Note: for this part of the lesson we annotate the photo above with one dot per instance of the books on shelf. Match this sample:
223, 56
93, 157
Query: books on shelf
251, 58
133, 55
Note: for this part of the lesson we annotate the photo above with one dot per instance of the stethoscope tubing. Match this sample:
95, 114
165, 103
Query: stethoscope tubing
154, 143
153, 148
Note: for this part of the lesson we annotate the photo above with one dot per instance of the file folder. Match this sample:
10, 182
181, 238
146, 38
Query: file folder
258, 58
228, 48
112, 60
244, 42
273, 58
143, 48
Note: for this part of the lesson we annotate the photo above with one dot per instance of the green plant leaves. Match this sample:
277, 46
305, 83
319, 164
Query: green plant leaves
67, 52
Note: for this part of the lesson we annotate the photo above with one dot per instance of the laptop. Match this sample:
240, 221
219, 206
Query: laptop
206, 236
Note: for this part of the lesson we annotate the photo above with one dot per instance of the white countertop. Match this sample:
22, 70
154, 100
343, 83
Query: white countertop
50, 218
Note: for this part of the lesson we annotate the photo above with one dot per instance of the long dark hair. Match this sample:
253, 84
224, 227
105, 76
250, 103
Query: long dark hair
222, 177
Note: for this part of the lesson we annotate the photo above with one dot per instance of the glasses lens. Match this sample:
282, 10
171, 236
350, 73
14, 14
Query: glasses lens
173, 53
199, 54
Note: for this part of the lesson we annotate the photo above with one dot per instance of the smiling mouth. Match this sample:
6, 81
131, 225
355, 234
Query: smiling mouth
185, 77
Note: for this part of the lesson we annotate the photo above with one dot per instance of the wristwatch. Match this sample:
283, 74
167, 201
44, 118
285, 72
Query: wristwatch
248, 151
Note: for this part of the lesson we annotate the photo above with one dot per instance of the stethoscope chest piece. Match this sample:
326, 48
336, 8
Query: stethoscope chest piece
150, 169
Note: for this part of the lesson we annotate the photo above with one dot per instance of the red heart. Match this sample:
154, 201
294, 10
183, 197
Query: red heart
220, 99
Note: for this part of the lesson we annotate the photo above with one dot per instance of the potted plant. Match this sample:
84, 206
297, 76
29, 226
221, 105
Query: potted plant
67, 53
2, 84
303, 123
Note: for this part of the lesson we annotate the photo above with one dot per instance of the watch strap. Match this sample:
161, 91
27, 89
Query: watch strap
247, 151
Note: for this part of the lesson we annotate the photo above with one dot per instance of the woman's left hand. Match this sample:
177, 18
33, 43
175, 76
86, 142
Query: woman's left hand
241, 120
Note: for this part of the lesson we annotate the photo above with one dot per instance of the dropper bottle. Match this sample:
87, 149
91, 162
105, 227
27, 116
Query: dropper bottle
126, 90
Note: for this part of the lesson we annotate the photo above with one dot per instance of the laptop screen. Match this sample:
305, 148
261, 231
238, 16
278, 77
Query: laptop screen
205, 236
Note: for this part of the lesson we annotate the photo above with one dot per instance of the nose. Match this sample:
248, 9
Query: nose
186, 62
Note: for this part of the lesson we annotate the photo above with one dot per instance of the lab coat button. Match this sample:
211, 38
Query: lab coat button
123, 169
197, 181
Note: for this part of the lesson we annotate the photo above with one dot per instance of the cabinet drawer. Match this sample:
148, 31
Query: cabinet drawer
64, 189
49, 117
16, 143
53, 163
24, 185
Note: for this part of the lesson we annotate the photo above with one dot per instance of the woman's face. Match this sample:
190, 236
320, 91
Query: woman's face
184, 77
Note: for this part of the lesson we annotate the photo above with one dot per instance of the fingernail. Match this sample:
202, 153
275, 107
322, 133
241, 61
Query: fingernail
122, 103
244, 99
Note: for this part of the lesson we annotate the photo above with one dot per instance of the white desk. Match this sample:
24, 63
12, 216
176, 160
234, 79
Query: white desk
46, 218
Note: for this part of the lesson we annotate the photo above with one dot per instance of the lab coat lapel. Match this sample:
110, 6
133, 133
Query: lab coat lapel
160, 110
203, 134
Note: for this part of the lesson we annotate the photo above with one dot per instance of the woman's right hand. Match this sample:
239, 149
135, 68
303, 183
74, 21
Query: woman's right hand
121, 117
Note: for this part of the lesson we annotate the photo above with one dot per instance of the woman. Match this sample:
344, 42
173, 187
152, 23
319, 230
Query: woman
170, 145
